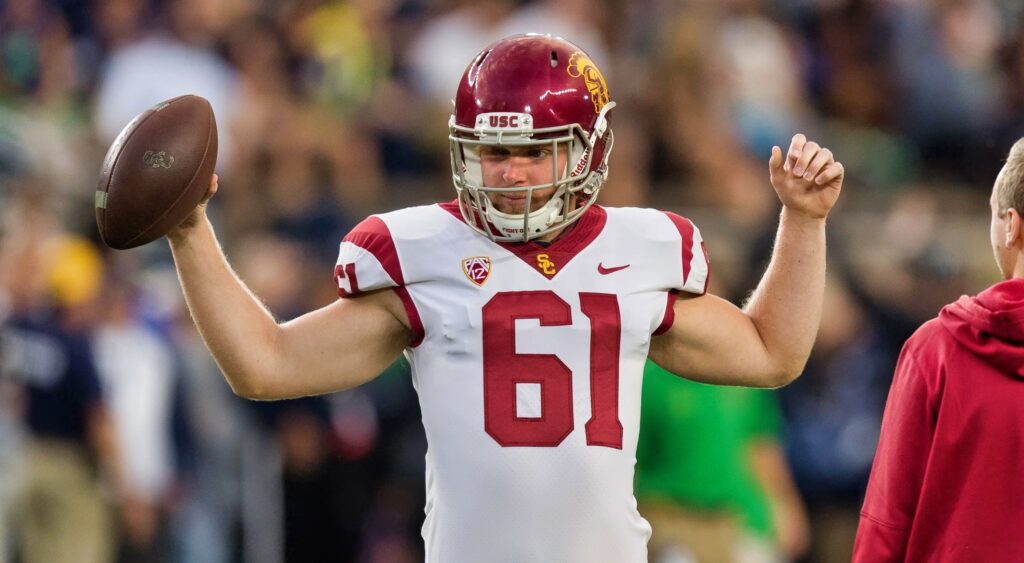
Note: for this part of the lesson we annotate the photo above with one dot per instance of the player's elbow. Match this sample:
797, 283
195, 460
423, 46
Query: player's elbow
783, 379
248, 390
253, 386
785, 373
260, 375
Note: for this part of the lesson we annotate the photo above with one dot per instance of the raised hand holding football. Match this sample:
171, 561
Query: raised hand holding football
156, 172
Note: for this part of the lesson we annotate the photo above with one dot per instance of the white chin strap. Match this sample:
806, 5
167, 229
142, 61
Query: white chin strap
510, 225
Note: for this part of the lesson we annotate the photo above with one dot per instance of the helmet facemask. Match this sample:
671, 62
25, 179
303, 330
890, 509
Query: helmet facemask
576, 184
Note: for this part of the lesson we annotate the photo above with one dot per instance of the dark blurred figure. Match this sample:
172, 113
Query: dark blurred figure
325, 499
344, 464
350, 468
71, 451
832, 414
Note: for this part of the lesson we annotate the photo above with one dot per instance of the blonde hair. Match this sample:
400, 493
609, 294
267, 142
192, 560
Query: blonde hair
1010, 192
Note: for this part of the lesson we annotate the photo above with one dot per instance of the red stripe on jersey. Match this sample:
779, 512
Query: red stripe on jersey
373, 236
685, 227
670, 314
415, 322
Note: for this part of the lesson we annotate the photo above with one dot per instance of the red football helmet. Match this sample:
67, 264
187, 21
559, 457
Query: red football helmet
531, 90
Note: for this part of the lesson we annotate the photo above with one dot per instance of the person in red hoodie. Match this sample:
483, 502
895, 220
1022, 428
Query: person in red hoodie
947, 482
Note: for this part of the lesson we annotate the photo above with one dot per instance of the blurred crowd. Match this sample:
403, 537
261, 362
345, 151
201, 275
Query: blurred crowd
330, 110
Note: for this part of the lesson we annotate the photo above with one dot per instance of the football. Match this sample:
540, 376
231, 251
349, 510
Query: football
156, 171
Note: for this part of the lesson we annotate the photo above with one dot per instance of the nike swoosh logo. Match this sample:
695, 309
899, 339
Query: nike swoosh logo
605, 271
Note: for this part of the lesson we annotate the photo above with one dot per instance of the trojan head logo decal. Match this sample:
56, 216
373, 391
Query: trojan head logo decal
581, 66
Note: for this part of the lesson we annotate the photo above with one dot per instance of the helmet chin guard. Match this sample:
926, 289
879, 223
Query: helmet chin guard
538, 221
531, 91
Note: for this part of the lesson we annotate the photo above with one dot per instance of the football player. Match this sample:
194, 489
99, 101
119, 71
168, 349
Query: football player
527, 312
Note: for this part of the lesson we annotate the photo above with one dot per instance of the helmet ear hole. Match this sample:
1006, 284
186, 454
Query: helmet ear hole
554, 59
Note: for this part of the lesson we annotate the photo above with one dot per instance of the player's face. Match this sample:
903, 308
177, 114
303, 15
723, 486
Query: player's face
507, 167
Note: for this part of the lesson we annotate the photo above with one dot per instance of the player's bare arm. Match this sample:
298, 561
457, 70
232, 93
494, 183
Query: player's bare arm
337, 347
766, 344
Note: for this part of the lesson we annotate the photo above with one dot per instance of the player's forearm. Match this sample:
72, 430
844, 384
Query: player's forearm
238, 330
786, 306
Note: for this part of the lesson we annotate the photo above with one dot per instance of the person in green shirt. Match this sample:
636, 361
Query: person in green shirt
711, 477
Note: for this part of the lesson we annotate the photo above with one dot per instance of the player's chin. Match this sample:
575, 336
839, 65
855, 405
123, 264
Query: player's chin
511, 204
515, 210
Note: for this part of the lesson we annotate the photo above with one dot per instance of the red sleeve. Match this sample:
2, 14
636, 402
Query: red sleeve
901, 460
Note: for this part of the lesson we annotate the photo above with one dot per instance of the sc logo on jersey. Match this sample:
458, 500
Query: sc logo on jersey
545, 265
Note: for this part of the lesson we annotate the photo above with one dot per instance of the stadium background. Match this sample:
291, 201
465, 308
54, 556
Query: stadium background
332, 110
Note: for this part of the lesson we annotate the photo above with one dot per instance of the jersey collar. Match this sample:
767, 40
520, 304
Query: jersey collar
550, 259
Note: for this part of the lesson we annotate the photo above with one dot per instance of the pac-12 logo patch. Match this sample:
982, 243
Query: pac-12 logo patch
477, 269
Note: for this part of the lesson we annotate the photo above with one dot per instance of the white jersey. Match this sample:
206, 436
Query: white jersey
528, 363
